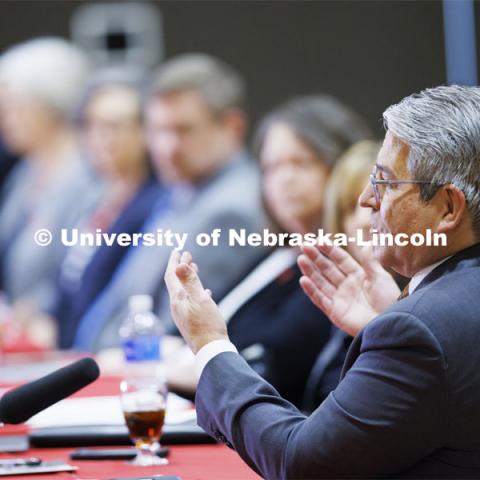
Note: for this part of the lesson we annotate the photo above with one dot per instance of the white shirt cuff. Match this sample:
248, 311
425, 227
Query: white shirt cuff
210, 350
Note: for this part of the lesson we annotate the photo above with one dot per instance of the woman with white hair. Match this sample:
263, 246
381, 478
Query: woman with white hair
40, 84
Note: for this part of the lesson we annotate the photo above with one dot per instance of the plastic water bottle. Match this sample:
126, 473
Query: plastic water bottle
143, 390
141, 334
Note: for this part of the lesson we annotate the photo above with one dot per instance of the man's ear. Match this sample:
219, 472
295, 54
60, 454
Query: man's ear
454, 208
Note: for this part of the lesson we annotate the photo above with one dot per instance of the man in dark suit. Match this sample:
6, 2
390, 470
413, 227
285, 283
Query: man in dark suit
408, 404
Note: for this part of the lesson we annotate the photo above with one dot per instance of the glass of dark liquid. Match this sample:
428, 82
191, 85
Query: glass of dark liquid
144, 406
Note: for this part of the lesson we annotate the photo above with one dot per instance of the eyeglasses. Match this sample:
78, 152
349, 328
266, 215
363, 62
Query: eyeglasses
376, 182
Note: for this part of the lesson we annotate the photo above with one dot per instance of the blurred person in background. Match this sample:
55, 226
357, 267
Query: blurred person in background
270, 320
195, 124
40, 84
349, 177
342, 214
111, 126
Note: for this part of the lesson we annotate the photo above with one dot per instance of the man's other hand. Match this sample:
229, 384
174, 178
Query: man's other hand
348, 292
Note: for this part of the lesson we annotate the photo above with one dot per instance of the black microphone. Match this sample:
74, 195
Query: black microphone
18, 405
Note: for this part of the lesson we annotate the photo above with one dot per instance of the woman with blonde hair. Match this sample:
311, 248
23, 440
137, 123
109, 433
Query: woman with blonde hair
342, 214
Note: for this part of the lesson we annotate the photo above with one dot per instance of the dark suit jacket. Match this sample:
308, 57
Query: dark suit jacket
408, 404
283, 332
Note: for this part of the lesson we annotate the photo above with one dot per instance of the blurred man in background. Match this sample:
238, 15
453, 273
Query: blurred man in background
196, 124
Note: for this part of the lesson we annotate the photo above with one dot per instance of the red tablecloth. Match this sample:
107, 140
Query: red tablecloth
189, 462
196, 462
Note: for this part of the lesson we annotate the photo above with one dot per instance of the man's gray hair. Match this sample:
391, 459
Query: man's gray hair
442, 128
221, 87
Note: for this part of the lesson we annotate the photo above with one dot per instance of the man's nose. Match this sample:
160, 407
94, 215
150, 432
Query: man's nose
367, 198
363, 218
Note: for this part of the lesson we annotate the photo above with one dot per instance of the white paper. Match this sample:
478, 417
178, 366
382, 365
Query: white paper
105, 410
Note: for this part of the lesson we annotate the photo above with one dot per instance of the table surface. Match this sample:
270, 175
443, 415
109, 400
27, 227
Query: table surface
189, 462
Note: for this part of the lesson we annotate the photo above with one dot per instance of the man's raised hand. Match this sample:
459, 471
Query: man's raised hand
193, 310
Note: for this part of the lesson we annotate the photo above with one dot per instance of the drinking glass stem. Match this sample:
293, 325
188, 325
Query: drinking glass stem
146, 451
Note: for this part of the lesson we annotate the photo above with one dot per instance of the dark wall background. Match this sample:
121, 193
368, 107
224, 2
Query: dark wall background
370, 54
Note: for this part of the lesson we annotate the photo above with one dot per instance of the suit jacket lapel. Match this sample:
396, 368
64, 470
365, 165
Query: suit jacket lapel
464, 259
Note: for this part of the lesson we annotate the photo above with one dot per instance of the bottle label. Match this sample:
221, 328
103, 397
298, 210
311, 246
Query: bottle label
142, 349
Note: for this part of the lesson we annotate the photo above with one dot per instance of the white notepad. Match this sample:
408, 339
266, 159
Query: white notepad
104, 410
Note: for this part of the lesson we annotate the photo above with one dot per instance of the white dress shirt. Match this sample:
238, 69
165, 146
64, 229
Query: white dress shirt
421, 274
266, 272
212, 349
